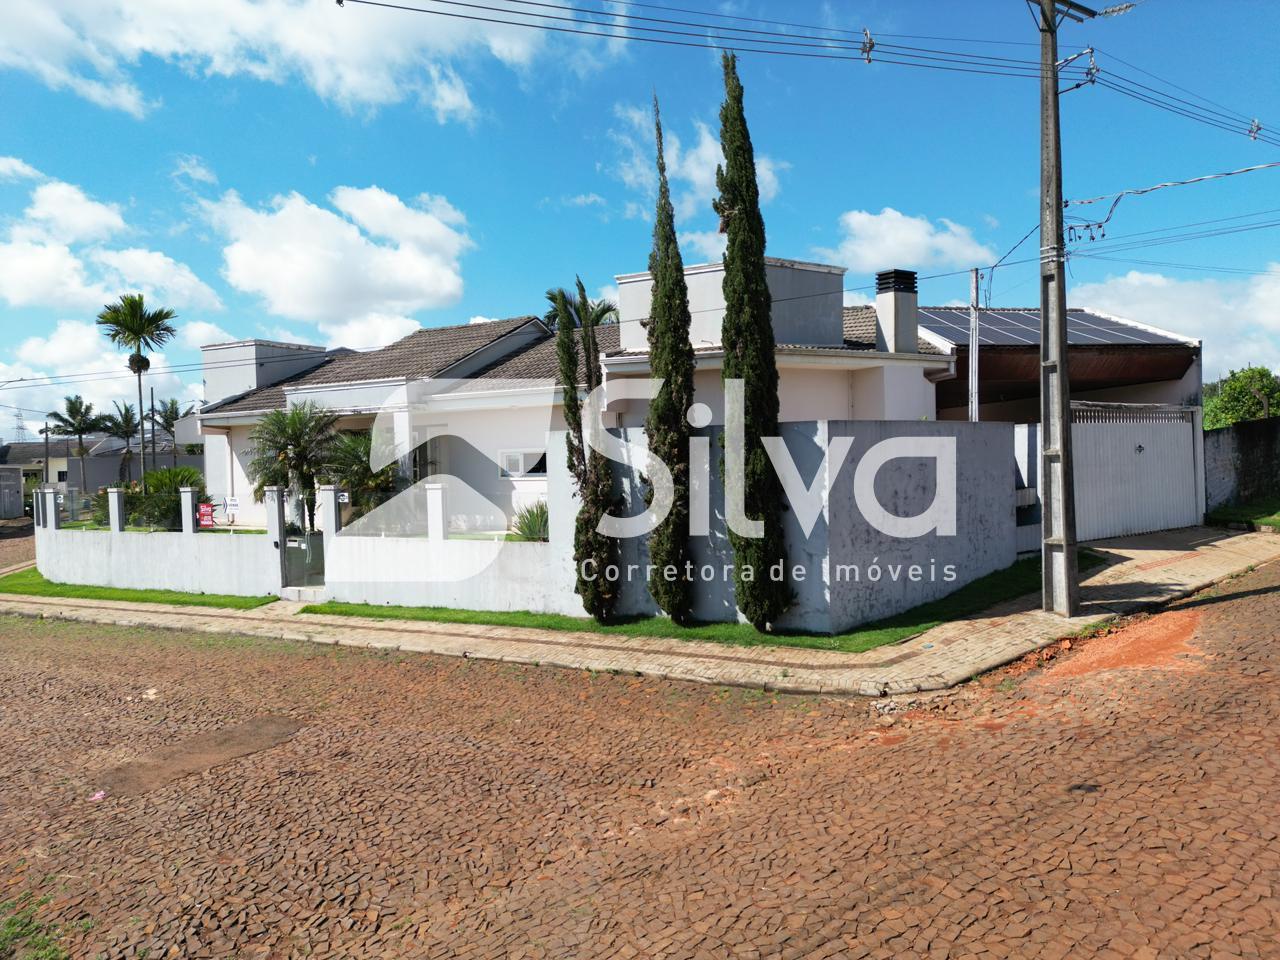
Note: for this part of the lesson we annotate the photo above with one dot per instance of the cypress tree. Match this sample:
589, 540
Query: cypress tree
749, 356
671, 358
593, 552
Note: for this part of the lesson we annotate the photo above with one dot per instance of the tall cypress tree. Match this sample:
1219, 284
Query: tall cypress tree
593, 552
749, 356
671, 358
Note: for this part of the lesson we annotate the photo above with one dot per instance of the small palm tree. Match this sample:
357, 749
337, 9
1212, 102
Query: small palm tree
75, 420
290, 449
349, 466
129, 324
166, 417
582, 307
123, 425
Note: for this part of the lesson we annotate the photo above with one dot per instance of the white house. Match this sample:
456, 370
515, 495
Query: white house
490, 388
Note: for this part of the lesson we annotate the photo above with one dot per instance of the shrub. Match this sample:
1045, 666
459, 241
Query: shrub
533, 522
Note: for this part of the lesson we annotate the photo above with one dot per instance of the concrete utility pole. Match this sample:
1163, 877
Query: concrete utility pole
1057, 493
974, 276
153, 429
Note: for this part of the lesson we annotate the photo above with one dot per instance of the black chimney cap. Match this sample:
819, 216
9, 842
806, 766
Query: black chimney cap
896, 281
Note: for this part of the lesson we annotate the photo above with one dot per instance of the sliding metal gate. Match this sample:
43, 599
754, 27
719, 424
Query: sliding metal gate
1138, 468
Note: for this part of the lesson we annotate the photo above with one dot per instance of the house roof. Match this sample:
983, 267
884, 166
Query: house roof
860, 331
542, 362
1020, 327
424, 353
32, 451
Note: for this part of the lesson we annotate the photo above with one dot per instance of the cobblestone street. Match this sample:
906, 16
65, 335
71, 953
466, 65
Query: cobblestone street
216, 796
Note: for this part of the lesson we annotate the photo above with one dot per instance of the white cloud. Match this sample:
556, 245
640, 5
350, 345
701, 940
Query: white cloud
11, 168
47, 275
358, 276
355, 57
157, 275
479, 319
193, 168
584, 200
1238, 319
691, 167
73, 345
369, 331
63, 213
890, 239
608, 291
856, 298
709, 245
54, 257
195, 334
78, 347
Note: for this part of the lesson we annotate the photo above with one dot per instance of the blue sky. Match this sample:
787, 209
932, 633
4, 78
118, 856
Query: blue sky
291, 169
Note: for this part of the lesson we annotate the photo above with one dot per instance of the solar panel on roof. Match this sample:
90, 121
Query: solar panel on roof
1014, 328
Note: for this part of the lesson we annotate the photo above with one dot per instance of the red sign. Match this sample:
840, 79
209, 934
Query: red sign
204, 512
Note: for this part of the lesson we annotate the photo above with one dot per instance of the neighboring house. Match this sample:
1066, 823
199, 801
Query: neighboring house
1110, 360
102, 463
891, 361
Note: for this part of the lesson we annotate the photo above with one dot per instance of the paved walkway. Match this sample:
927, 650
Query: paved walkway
1145, 571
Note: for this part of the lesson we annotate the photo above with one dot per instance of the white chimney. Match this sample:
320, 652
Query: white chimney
896, 319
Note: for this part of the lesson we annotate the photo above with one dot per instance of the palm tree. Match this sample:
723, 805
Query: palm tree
166, 417
123, 425
129, 324
290, 449
75, 420
349, 466
597, 311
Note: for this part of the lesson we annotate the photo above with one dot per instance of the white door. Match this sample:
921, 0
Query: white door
1138, 469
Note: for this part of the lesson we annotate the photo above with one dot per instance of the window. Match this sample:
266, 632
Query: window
62, 476
522, 463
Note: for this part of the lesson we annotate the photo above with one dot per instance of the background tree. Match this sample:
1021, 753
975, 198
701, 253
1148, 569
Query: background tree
1246, 394
666, 426
123, 425
290, 448
349, 466
130, 325
576, 320
75, 420
166, 417
747, 334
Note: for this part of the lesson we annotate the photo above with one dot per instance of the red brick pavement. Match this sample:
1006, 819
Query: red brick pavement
433, 807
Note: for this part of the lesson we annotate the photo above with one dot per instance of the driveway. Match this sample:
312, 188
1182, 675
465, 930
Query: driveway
216, 796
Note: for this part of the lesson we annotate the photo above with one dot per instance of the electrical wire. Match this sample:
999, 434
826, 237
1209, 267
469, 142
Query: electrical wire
952, 61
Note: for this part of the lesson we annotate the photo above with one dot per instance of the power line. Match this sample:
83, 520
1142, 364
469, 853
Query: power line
1115, 198
1184, 112
1170, 83
952, 61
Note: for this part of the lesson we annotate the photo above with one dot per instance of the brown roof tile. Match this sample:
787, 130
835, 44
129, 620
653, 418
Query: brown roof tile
423, 353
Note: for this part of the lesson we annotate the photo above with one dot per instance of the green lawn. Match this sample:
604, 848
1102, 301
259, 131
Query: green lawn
1017, 580
1265, 513
30, 583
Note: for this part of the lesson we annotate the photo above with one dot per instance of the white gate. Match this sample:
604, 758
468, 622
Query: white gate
1138, 468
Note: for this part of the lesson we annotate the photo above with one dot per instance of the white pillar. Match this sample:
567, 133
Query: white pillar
437, 519
188, 495
328, 513
115, 510
273, 498
53, 518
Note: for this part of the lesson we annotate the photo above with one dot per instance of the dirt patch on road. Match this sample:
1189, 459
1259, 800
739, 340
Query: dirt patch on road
1161, 642
195, 755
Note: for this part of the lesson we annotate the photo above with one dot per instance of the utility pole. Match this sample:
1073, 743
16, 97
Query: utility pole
153, 428
1057, 490
45, 431
974, 277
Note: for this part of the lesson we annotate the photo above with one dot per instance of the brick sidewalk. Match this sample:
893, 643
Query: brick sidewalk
1145, 571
